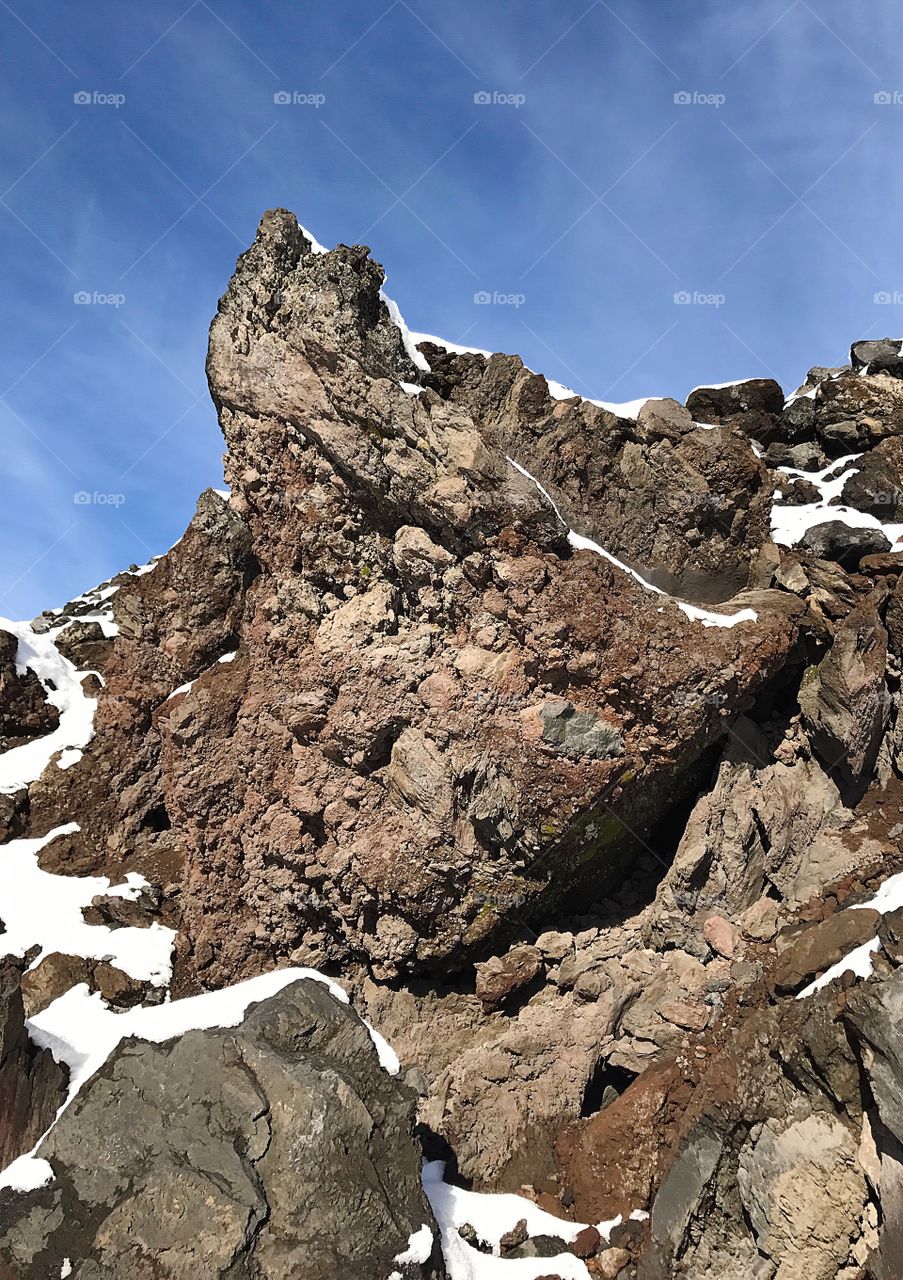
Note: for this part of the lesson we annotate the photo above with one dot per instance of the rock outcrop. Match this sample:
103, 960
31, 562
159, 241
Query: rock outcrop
32, 1086
276, 1148
568, 736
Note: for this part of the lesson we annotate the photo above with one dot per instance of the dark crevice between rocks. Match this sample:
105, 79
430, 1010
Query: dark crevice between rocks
606, 1083
156, 819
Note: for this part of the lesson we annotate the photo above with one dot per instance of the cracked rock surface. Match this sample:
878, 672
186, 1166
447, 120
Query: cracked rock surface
277, 1148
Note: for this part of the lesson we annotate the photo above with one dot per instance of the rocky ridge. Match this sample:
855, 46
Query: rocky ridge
568, 738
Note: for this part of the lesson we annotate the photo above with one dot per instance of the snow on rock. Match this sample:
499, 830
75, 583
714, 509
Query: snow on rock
420, 1246
888, 898
27, 1173
789, 524
62, 684
557, 390
45, 910
409, 339
491, 1216
454, 347
81, 1031
707, 617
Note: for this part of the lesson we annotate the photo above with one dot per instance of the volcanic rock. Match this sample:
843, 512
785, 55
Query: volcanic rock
291, 1145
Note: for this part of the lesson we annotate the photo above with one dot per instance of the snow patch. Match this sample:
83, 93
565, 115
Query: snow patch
789, 524
45, 910
27, 1173
409, 339
491, 1216
62, 684
420, 1246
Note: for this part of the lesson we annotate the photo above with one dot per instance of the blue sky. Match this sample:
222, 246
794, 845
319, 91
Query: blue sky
745, 157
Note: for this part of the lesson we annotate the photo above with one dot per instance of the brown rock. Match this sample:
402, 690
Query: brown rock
50, 979
721, 936
684, 1013
822, 945
32, 1085
511, 1239
587, 1242
499, 978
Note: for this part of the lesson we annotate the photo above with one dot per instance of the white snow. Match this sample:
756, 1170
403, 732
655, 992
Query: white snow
62, 685
65, 1269
410, 388
183, 688
420, 1246
45, 910
790, 523
315, 245
454, 347
409, 339
26, 1173
707, 617
228, 657
492, 1216
719, 386
888, 898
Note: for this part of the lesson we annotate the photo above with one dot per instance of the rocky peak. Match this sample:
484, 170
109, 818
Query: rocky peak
568, 734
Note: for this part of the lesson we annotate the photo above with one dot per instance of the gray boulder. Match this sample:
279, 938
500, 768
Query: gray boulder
279, 1148
835, 540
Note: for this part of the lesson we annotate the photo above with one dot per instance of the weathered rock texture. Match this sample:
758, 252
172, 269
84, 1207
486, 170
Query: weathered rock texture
25, 712
574, 852
277, 1148
32, 1086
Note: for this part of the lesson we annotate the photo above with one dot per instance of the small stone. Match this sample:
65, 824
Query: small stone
501, 977
586, 1245
555, 946
721, 936
511, 1239
683, 1013
761, 921
611, 1263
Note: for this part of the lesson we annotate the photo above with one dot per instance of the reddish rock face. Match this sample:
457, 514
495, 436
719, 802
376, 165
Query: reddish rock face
376, 711
440, 716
